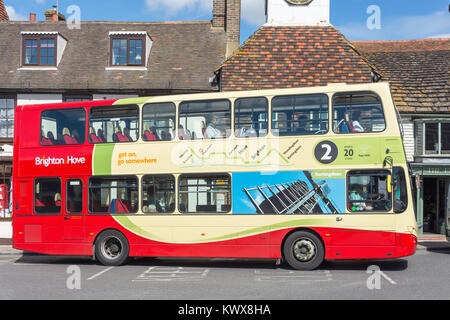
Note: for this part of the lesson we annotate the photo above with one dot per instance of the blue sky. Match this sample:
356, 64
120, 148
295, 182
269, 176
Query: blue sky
400, 19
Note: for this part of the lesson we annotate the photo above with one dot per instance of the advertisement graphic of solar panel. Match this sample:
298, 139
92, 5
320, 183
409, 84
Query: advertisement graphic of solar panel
293, 197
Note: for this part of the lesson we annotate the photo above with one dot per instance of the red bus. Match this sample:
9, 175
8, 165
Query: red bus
257, 174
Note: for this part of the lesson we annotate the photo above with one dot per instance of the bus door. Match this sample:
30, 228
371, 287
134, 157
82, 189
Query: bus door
73, 219
367, 230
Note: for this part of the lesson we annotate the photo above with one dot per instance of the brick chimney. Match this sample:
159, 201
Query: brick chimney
227, 16
50, 15
3, 13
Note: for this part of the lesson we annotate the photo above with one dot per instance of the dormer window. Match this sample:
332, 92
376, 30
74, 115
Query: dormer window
129, 49
42, 49
39, 50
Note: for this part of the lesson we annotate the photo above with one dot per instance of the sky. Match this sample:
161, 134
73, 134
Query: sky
356, 19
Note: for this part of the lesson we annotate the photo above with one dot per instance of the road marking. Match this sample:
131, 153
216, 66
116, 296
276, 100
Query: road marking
384, 275
293, 276
100, 273
172, 273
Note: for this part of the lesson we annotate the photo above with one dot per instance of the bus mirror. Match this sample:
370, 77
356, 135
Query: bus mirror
388, 161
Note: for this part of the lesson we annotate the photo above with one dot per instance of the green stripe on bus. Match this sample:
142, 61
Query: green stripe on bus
102, 157
132, 101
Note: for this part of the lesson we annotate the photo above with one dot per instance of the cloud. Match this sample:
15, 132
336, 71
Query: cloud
13, 15
395, 28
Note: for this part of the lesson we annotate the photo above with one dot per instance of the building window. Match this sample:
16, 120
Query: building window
77, 98
250, 117
358, 112
300, 115
47, 195
204, 193
39, 50
113, 194
158, 194
114, 124
127, 50
7, 106
63, 126
433, 137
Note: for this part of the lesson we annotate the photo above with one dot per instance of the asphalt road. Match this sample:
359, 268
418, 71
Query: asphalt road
422, 276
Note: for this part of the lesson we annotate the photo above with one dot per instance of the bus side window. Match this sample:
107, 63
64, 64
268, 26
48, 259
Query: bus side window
300, 115
158, 194
63, 126
47, 195
74, 196
250, 117
114, 124
204, 193
158, 121
113, 194
207, 119
357, 112
400, 197
369, 191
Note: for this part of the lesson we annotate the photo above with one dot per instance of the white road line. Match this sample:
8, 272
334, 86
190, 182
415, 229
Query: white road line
100, 273
384, 275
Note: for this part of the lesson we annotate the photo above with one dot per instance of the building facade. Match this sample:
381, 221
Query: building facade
51, 61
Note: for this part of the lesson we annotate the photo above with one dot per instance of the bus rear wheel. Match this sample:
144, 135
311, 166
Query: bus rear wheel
111, 248
303, 250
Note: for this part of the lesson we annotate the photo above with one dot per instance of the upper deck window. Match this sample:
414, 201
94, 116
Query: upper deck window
210, 119
114, 124
158, 121
300, 115
63, 126
357, 112
250, 117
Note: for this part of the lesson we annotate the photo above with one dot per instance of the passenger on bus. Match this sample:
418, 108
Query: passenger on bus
92, 136
211, 130
149, 133
57, 199
184, 134
101, 136
45, 141
67, 137
120, 136
356, 118
126, 132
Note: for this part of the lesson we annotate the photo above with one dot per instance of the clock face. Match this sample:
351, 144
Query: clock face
303, 2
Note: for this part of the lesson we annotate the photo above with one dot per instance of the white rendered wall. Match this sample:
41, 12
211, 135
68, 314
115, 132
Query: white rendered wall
280, 12
38, 98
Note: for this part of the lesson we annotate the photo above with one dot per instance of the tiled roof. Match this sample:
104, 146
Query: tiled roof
183, 57
294, 56
418, 72
3, 13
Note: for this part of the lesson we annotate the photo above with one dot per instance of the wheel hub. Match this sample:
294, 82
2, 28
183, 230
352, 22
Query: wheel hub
304, 250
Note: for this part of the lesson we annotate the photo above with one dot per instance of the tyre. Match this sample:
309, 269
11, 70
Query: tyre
111, 248
303, 250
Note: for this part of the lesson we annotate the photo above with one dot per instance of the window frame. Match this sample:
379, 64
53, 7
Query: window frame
230, 192
8, 128
299, 95
64, 109
39, 37
174, 193
174, 121
138, 116
234, 124
424, 151
366, 172
128, 37
230, 104
116, 177
34, 197
67, 196
358, 93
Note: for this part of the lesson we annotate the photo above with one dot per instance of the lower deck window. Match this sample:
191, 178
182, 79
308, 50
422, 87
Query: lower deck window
47, 195
158, 194
113, 195
204, 193
369, 191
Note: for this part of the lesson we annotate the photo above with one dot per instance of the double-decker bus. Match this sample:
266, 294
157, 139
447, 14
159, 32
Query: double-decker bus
304, 175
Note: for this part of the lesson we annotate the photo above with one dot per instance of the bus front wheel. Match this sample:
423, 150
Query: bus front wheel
303, 250
111, 248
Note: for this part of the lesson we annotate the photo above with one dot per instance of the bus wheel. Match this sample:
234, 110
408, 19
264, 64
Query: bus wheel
303, 250
111, 248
